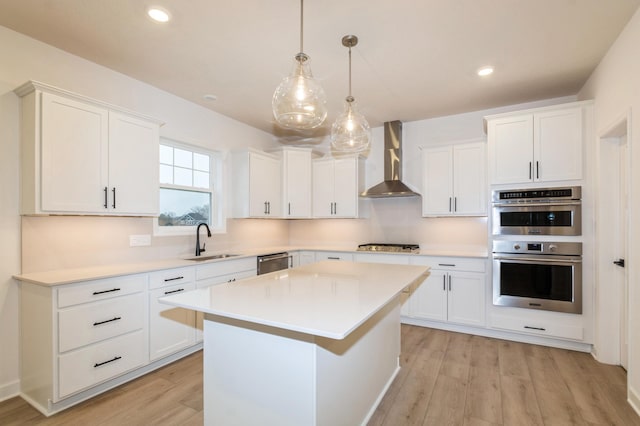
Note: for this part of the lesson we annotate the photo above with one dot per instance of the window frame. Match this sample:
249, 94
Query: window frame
217, 211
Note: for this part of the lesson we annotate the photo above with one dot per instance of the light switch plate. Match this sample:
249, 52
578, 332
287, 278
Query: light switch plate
139, 240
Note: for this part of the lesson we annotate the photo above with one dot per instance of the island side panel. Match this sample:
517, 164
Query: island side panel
355, 373
256, 374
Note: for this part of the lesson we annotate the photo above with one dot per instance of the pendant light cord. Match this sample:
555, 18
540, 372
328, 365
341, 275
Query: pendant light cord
301, 23
350, 97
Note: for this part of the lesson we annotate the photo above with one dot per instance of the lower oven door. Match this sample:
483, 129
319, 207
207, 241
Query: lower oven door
552, 283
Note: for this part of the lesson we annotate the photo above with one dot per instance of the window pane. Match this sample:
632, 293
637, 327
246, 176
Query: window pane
182, 177
182, 158
200, 162
201, 180
183, 208
166, 154
166, 174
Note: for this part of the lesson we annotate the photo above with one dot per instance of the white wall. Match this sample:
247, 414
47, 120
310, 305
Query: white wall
615, 87
53, 242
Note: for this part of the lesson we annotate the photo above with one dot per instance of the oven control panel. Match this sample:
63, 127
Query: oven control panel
538, 247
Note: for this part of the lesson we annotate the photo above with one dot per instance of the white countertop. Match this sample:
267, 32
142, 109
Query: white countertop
328, 299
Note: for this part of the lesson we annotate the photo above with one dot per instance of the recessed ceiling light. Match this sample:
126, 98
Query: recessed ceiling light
484, 71
210, 97
158, 15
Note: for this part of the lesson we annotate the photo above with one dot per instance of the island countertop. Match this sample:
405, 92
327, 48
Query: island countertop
328, 299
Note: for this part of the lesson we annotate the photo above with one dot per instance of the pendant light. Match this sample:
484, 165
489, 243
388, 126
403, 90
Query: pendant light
299, 102
351, 131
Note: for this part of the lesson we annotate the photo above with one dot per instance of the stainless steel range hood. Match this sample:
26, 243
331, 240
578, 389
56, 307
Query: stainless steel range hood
392, 185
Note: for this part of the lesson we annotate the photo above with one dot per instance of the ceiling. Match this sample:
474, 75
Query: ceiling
416, 59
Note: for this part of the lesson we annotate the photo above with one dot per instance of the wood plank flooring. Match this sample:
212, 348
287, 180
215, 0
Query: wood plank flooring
446, 379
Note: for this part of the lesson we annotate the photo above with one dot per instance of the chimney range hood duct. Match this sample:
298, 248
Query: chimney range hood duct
392, 185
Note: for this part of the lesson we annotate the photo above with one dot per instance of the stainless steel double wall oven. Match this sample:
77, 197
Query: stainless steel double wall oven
536, 273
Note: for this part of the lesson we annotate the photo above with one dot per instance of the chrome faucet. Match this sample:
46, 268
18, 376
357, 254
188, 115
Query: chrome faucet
198, 248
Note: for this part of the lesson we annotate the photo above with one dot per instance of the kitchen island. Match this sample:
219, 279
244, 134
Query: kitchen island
314, 345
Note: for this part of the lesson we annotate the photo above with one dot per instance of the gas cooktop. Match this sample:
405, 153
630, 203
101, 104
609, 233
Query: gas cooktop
402, 248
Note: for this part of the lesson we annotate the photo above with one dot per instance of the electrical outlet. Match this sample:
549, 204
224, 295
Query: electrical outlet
139, 240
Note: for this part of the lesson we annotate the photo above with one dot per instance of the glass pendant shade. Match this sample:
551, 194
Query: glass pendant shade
350, 132
299, 102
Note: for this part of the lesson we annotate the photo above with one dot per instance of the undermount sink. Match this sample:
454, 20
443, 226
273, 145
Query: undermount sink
211, 257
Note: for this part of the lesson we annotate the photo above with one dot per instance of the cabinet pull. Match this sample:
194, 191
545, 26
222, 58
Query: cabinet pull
231, 280
173, 279
455, 204
290, 261
335, 207
268, 207
105, 291
98, 364
444, 283
449, 282
535, 328
537, 170
106, 190
530, 170
114, 197
106, 321
333, 258
447, 264
289, 213
174, 291
449, 203
265, 207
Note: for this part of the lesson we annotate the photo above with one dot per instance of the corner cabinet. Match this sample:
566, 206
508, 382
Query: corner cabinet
82, 156
540, 145
337, 184
454, 180
256, 181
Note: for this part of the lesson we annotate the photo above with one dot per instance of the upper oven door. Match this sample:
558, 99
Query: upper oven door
537, 219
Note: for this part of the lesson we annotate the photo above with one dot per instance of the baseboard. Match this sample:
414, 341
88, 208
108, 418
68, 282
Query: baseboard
9, 390
633, 398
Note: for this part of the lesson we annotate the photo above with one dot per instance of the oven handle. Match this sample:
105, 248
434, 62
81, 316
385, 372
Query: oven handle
540, 260
537, 204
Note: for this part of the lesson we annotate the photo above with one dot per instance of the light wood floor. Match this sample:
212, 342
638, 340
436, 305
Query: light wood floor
446, 379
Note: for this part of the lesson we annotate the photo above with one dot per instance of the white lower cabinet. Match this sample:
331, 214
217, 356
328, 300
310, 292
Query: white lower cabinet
393, 259
454, 291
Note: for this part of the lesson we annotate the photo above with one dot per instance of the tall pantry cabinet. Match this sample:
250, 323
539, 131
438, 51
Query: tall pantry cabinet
82, 156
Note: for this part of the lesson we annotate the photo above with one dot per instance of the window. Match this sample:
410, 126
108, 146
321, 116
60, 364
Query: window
190, 189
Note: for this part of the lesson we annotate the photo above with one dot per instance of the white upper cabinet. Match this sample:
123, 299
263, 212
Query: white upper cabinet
454, 180
296, 182
84, 157
337, 184
542, 145
256, 184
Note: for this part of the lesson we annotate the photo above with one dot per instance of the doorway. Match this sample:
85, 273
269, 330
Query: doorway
612, 229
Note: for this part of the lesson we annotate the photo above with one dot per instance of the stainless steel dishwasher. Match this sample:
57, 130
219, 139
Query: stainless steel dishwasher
273, 262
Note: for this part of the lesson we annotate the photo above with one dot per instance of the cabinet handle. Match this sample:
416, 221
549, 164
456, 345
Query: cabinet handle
106, 190
449, 282
105, 291
268, 207
455, 204
335, 208
231, 280
289, 209
444, 283
535, 328
98, 364
537, 170
290, 261
530, 170
114, 197
174, 291
447, 264
333, 258
172, 279
106, 321
449, 203
265, 207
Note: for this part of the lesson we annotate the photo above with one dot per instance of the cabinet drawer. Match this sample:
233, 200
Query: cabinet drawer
394, 259
226, 267
334, 255
99, 362
90, 291
451, 263
225, 279
171, 277
93, 322
539, 327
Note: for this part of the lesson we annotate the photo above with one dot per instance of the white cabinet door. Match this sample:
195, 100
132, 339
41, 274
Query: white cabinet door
466, 298
346, 188
297, 184
133, 165
170, 329
437, 181
429, 299
265, 196
323, 186
453, 180
74, 156
558, 145
511, 149
469, 179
